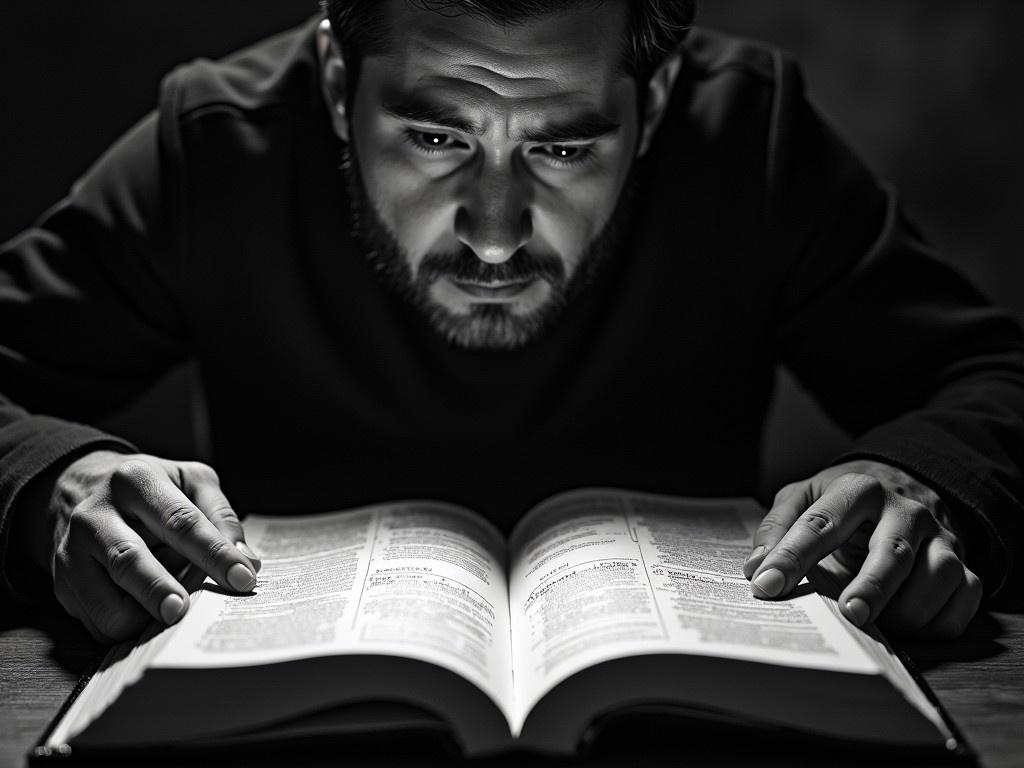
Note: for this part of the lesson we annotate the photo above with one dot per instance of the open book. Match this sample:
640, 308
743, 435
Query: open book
401, 614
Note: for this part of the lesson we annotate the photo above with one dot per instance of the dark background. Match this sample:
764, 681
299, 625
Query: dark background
925, 90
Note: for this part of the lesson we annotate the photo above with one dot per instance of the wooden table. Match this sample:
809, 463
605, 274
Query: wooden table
979, 678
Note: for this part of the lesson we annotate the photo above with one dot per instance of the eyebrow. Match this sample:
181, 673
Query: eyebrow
421, 112
587, 126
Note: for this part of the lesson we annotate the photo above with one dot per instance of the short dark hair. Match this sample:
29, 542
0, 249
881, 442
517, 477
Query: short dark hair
654, 27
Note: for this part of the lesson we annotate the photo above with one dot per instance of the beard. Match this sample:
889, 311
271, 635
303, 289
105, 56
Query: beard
484, 325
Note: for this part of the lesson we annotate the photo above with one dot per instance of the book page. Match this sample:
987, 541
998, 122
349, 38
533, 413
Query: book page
424, 580
600, 574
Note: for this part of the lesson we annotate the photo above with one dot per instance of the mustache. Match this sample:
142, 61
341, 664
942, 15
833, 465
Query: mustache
465, 266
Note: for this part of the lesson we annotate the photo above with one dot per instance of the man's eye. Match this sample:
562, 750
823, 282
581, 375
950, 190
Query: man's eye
432, 142
564, 151
436, 140
564, 154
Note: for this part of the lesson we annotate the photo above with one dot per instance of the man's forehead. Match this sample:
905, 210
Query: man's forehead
573, 55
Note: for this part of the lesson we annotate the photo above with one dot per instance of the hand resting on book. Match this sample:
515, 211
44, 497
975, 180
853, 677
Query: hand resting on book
122, 525
885, 535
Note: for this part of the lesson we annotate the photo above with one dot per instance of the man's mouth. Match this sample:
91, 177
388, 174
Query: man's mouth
494, 291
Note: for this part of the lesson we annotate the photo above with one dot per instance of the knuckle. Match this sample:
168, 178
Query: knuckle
785, 492
920, 519
898, 549
949, 569
819, 521
131, 472
223, 513
973, 584
949, 538
857, 484
213, 553
769, 526
915, 508
122, 560
200, 472
152, 590
180, 520
848, 479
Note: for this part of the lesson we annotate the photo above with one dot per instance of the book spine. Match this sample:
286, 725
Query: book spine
41, 753
956, 744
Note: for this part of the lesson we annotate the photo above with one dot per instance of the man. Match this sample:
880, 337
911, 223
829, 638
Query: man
485, 251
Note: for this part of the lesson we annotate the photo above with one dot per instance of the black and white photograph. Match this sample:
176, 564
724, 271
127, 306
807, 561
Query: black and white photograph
511, 382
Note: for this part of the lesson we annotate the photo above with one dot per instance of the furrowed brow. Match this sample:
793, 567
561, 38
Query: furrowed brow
422, 112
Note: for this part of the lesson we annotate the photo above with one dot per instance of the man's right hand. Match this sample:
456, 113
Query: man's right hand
122, 525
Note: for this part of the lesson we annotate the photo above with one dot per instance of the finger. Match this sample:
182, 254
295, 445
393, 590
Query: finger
84, 589
826, 524
201, 484
892, 550
75, 608
958, 611
121, 552
148, 493
70, 602
112, 613
790, 503
937, 573
173, 561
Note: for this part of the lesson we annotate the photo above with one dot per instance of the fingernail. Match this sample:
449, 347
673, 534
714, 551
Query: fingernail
770, 583
241, 578
242, 547
857, 611
172, 608
758, 552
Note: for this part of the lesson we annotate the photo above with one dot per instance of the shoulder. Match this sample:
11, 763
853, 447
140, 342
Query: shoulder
739, 108
727, 78
730, 113
711, 53
279, 73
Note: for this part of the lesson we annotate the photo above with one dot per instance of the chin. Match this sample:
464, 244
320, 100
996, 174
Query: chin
491, 326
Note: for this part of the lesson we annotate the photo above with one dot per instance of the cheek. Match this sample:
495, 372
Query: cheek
570, 220
412, 207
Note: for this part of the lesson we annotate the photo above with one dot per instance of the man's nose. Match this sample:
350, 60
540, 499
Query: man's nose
493, 217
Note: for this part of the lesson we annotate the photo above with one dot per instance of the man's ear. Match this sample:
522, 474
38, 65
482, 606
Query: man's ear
333, 79
659, 91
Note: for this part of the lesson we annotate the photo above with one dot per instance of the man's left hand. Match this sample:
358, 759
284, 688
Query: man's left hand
884, 534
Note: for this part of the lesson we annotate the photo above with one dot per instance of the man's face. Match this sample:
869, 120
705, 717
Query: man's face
488, 162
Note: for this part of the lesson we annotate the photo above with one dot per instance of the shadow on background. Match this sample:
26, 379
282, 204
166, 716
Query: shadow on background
923, 89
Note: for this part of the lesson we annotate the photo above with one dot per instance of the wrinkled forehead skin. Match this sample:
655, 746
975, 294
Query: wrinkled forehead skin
518, 76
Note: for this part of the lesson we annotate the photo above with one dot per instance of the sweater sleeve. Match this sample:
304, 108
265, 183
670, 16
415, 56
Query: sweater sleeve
897, 346
88, 316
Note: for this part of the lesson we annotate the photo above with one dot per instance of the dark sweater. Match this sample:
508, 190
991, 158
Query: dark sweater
218, 229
